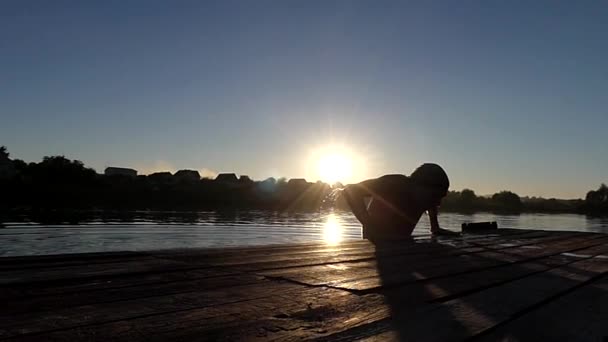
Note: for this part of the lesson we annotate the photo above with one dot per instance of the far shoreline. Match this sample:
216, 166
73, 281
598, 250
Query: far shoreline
76, 216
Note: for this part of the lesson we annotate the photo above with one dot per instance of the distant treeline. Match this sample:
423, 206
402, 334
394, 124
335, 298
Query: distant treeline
466, 201
595, 203
507, 201
59, 183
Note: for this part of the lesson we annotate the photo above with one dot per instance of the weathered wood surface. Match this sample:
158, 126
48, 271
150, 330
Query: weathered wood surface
511, 285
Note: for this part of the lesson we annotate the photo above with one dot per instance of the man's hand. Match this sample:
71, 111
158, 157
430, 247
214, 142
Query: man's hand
433, 220
435, 230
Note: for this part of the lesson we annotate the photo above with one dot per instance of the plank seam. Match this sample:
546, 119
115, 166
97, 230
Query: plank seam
503, 282
287, 280
537, 306
383, 325
396, 285
38, 333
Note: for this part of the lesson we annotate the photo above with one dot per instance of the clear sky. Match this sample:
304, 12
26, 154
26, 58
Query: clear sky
503, 94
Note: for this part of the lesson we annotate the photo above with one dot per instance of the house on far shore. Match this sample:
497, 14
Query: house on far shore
245, 180
297, 182
120, 171
227, 178
187, 176
164, 177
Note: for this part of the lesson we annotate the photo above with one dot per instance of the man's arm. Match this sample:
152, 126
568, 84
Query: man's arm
435, 229
355, 197
433, 219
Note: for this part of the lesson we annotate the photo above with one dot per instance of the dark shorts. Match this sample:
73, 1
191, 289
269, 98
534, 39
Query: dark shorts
387, 232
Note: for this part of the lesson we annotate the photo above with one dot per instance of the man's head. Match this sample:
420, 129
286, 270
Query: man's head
433, 178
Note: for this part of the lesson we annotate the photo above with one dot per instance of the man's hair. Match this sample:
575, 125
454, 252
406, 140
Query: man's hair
431, 175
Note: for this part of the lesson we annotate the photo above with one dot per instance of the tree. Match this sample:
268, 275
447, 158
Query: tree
598, 198
507, 200
468, 198
20, 166
61, 170
3, 152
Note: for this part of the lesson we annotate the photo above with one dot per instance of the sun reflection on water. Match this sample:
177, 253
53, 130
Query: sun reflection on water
332, 230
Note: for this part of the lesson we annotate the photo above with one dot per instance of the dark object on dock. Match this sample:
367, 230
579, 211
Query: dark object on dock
479, 227
516, 285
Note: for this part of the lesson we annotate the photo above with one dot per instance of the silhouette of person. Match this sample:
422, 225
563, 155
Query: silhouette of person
390, 206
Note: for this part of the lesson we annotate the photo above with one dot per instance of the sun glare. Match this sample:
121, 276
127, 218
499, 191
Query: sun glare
334, 167
332, 230
333, 163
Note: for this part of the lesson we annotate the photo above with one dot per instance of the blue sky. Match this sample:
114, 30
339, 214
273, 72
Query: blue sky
503, 94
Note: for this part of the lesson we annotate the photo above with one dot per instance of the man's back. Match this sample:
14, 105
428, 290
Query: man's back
396, 205
398, 202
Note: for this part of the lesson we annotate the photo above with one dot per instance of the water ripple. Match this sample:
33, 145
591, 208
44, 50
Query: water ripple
215, 230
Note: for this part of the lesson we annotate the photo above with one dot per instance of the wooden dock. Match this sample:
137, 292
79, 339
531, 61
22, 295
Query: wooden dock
514, 285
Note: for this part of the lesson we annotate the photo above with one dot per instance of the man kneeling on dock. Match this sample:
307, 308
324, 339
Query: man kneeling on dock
396, 202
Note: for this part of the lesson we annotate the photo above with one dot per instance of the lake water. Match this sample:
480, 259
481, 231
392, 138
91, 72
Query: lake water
152, 231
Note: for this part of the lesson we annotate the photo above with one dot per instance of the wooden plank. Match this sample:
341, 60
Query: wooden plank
186, 318
122, 293
369, 275
88, 284
387, 277
285, 255
404, 300
90, 271
343, 275
66, 300
53, 265
114, 292
207, 257
305, 248
442, 289
399, 248
67, 260
110, 276
467, 316
38, 321
37, 289
156, 264
53, 258
61, 260
168, 305
285, 249
165, 284
376, 321
580, 315
373, 315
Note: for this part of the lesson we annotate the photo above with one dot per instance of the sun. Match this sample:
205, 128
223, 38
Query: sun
337, 163
334, 167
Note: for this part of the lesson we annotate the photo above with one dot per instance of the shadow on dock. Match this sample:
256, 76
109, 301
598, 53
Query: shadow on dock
467, 293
